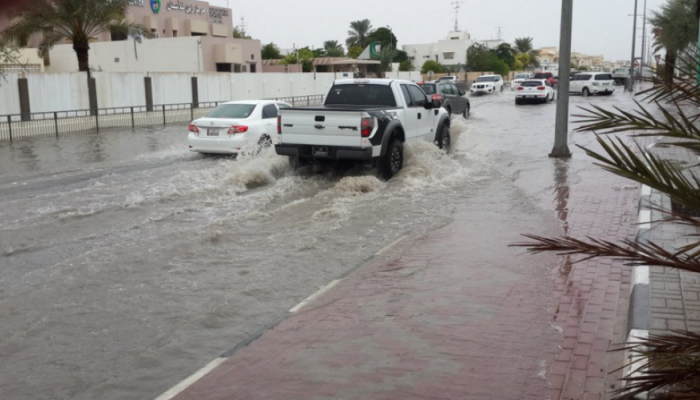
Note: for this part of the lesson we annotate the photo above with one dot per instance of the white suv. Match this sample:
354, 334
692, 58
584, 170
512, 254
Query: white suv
588, 83
517, 80
487, 84
448, 79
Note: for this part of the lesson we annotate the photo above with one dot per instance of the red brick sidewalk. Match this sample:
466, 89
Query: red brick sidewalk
458, 315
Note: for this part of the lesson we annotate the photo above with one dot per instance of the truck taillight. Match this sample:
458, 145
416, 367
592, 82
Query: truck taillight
279, 124
237, 129
193, 128
367, 126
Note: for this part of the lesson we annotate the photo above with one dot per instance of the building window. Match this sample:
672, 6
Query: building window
118, 36
244, 68
223, 67
174, 33
252, 56
448, 56
253, 68
198, 34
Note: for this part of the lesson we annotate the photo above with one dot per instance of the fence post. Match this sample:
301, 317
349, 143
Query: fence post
9, 126
24, 105
92, 94
195, 92
149, 93
192, 112
163, 114
55, 122
97, 120
133, 124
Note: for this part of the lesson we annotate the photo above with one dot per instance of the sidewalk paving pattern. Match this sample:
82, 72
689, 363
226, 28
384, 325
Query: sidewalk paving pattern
416, 326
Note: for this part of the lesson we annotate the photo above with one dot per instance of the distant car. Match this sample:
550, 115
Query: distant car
450, 79
453, 100
517, 79
487, 84
534, 90
547, 76
592, 83
236, 127
620, 75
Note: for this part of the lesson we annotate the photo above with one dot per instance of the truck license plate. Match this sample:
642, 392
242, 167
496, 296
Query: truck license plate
320, 151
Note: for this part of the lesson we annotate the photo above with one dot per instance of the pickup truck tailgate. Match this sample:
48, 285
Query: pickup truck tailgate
321, 127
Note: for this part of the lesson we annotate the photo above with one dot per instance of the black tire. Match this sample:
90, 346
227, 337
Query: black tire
449, 111
585, 92
518, 102
392, 162
501, 89
465, 113
445, 139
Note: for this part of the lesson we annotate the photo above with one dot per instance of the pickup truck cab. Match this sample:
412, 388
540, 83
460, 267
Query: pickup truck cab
366, 120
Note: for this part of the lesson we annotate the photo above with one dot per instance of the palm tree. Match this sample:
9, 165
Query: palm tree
333, 48
74, 21
669, 363
524, 45
675, 29
359, 33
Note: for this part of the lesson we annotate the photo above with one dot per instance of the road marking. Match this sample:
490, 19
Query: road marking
387, 248
644, 221
180, 387
314, 296
641, 276
646, 190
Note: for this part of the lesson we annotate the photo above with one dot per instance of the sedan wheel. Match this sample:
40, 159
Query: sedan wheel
585, 92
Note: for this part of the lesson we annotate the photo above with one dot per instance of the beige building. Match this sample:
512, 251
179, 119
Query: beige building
214, 50
549, 56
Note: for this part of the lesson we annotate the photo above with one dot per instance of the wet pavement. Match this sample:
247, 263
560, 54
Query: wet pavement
124, 272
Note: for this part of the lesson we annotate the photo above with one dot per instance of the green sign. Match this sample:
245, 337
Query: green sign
155, 6
374, 49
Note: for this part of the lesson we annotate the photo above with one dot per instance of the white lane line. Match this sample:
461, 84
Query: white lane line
646, 190
314, 296
641, 276
644, 221
387, 248
180, 387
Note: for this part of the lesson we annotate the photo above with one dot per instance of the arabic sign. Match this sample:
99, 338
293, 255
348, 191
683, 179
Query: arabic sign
179, 6
217, 15
138, 3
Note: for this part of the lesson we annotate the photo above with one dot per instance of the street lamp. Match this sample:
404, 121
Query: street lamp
561, 135
634, 43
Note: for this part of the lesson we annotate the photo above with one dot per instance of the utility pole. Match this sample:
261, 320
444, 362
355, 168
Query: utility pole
561, 135
644, 38
630, 84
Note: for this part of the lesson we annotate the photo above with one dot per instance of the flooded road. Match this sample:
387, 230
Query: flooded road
127, 263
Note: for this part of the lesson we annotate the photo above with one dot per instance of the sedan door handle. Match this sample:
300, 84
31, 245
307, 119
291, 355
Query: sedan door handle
419, 115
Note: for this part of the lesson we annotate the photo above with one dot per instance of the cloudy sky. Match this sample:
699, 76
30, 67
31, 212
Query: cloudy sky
600, 26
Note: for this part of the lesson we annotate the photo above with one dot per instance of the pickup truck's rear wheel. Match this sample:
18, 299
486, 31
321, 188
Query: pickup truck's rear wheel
445, 139
392, 162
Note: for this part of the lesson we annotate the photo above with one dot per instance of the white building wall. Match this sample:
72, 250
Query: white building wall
456, 42
68, 91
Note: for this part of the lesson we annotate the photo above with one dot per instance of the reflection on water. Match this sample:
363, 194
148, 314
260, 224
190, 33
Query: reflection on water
561, 192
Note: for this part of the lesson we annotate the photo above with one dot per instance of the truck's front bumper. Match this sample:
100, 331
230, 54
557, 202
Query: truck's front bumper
324, 152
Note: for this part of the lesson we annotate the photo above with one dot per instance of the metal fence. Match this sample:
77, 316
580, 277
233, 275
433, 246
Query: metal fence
63, 123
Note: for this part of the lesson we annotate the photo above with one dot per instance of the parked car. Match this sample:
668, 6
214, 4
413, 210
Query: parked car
517, 80
236, 127
592, 83
453, 100
534, 90
366, 120
449, 79
487, 84
620, 75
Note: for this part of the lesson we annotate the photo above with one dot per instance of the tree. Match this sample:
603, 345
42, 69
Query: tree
8, 55
355, 51
400, 56
240, 33
478, 57
668, 363
524, 45
303, 56
497, 65
271, 52
675, 29
76, 21
333, 48
522, 60
386, 55
359, 33
406, 66
384, 36
506, 53
432, 65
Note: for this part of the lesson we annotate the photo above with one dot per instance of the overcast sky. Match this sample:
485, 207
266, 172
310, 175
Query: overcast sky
600, 26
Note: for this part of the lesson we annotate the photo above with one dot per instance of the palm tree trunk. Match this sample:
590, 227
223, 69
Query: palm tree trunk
670, 66
81, 51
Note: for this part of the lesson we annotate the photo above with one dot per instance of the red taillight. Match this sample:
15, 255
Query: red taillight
193, 128
521, 88
237, 129
367, 126
279, 124
540, 88
436, 97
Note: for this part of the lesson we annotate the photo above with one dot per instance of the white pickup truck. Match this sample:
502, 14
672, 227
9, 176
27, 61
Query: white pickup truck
363, 120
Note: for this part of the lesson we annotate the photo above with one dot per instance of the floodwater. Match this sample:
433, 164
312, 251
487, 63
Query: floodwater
127, 263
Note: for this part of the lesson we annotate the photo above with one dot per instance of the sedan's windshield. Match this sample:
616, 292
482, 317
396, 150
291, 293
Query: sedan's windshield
532, 83
486, 79
232, 111
521, 76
